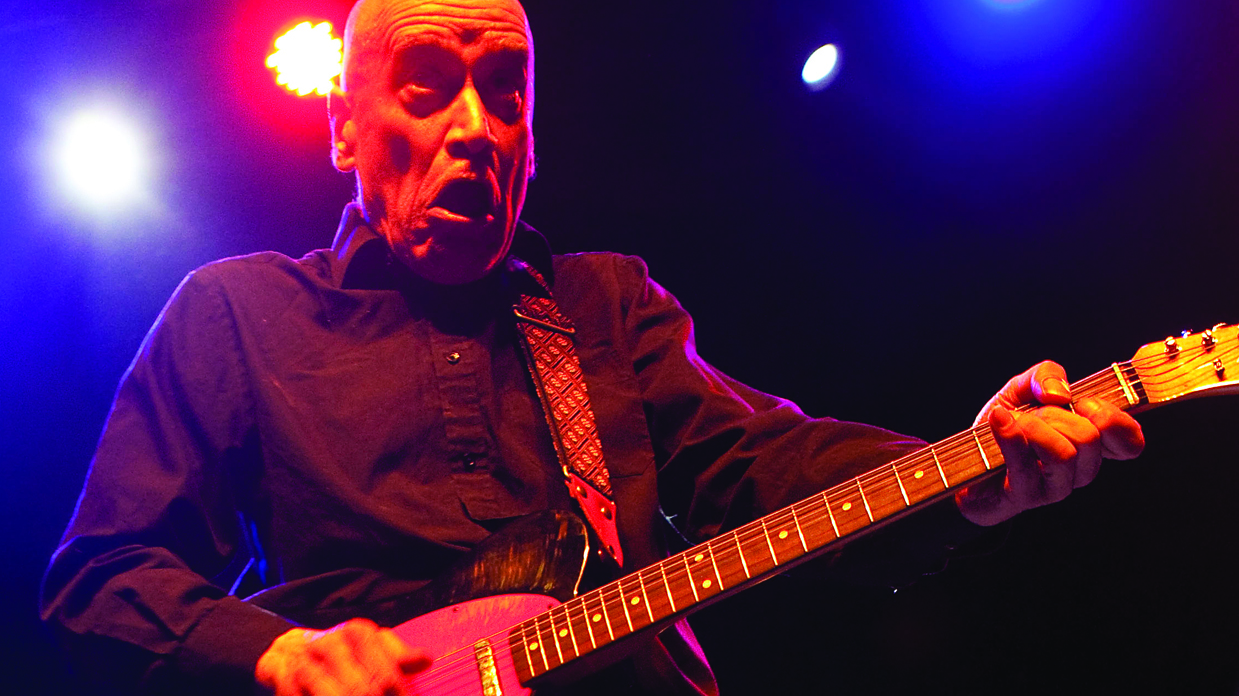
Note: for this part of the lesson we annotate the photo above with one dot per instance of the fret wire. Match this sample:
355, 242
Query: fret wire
537, 634
863, 499
542, 638
977, 439
645, 596
620, 595
830, 514
576, 649
525, 644
822, 515
554, 637
624, 603
788, 515
691, 582
939, 465
796, 521
606, 615
588, 624
667, 585
710, 551
740, 550
902, 490
766, 533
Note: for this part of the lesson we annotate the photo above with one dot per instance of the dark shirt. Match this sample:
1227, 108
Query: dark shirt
335, 412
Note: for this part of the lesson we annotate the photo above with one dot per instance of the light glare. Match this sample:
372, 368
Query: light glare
821, 66
307, 59
101, 159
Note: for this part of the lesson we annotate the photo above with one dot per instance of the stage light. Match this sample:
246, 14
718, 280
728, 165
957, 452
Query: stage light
307, 59
821, 67
101, 159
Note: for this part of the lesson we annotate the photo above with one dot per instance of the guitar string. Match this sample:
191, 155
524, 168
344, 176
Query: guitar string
737, 537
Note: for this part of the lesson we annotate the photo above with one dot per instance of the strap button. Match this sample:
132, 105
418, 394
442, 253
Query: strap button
452, 358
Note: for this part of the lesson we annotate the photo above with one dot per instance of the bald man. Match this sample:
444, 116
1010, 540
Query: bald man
365, 408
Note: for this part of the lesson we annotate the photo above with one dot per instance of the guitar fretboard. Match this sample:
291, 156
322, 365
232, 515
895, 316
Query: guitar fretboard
688, 581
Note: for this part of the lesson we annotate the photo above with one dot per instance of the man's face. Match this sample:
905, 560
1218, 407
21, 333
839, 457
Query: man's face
437, 123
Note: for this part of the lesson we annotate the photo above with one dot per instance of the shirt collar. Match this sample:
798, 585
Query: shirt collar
362, 259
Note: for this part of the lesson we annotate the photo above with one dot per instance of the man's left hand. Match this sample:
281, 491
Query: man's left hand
1049, 450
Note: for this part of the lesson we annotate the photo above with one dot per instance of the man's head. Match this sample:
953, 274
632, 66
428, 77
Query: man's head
436, 121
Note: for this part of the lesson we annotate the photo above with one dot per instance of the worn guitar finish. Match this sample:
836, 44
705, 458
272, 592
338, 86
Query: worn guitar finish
504, 644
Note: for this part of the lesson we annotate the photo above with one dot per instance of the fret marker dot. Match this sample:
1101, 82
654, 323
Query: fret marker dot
919, 474
533, 646
847, 506
783, 535
706, 584
698, 557
563, 632
597, 618
636, 601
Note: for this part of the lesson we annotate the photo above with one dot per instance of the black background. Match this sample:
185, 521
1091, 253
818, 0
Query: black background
982, 187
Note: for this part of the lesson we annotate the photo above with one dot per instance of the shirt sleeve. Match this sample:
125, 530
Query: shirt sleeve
728, 453
127, 589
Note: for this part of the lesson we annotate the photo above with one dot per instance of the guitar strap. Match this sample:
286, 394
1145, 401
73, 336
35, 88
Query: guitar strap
556, 371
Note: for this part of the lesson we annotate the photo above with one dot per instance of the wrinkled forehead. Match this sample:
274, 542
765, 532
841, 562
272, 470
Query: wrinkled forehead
497, 23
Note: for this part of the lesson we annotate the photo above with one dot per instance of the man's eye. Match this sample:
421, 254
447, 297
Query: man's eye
427, 79
506, 84
412, 90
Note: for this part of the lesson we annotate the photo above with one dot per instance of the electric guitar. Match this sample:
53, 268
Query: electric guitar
542, 630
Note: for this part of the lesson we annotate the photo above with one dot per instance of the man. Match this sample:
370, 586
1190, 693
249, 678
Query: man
355, 420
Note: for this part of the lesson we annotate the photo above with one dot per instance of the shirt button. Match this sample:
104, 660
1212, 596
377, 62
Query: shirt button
453, 358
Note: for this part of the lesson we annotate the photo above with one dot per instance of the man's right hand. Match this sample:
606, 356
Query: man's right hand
356, 658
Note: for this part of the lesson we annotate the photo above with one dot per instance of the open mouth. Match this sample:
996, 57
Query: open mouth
467, 198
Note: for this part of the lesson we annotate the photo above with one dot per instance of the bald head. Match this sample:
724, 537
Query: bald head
436, 120
368, 33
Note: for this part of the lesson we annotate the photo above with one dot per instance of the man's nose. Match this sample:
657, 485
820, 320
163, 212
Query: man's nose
469, 136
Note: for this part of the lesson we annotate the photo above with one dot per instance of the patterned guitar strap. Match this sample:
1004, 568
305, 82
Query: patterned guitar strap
556, 371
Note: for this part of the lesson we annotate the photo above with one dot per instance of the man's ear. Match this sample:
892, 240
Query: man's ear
343, 131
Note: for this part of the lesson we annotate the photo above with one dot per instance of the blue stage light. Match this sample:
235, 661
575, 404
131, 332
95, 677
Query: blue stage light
821, 67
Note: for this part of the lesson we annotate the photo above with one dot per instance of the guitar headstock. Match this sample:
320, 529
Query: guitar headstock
1189, 366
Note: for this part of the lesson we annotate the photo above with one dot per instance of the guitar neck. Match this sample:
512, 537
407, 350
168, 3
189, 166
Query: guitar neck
735, 560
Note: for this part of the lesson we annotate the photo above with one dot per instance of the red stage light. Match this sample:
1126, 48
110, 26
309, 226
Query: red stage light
307, 59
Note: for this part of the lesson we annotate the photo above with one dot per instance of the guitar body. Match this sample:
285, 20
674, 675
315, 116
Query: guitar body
450, 635
521, 571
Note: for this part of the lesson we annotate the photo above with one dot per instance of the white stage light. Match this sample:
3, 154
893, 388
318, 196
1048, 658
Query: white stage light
821, 67
101, 159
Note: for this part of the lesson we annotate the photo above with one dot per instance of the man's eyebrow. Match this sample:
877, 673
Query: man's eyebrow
415, 36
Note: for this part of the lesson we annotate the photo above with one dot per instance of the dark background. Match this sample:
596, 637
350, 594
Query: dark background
982, 187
